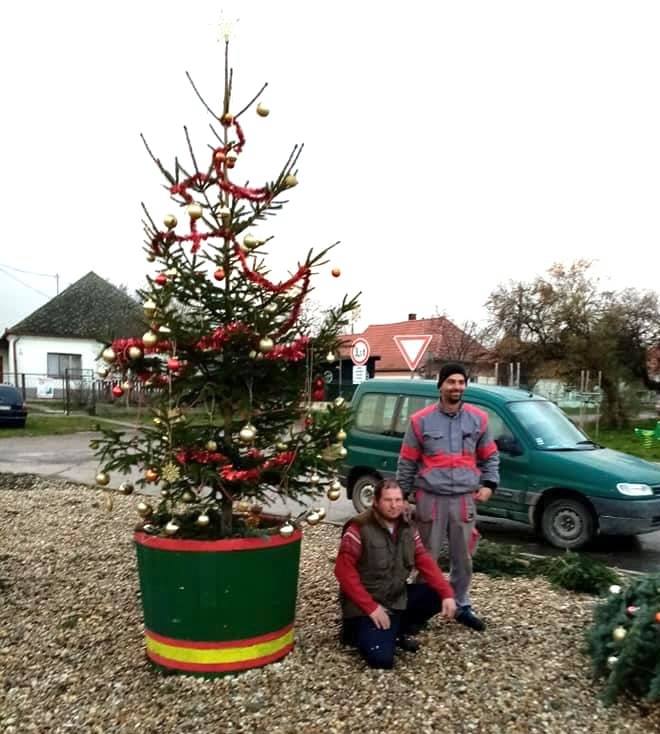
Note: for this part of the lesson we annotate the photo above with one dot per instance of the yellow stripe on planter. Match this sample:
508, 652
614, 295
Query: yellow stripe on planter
210, 656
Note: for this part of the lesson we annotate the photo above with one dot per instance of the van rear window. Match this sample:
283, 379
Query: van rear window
375, 413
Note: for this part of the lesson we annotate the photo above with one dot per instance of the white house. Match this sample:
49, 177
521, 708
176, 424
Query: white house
68, 333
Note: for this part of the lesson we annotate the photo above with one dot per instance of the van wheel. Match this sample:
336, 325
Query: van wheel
567, 523
363, 491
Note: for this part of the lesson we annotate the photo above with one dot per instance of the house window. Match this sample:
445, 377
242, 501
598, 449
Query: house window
58, 363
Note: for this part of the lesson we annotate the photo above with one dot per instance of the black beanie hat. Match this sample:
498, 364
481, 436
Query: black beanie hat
451, 368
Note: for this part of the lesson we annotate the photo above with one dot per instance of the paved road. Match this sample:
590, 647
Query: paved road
70, 457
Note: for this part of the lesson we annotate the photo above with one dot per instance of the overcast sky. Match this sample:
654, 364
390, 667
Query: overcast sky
450, 146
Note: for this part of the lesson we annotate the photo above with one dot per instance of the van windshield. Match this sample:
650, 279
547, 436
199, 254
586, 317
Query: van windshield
549, 427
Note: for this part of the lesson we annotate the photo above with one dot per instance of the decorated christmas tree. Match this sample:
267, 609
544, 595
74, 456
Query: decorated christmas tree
227, 353
624, 640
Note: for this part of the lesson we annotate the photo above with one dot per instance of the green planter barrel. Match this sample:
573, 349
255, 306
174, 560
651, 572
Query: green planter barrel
218, 606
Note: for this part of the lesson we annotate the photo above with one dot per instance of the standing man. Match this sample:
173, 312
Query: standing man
448, 459
378, 550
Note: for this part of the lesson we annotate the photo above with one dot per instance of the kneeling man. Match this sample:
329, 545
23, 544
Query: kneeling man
379, 549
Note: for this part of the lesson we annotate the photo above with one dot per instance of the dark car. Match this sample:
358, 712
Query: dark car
12, 408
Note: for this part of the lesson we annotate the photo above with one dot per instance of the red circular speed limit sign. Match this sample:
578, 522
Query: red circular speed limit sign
360, 351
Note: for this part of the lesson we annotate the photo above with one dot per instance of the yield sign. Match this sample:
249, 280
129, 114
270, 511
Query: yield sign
412, 347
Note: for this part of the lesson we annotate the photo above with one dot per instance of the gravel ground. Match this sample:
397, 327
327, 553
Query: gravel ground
71, 647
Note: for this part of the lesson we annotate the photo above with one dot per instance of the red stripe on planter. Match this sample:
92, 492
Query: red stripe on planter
209, 546
246, 642
219, 667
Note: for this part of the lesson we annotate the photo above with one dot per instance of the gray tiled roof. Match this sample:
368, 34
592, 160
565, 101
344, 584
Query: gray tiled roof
90, 308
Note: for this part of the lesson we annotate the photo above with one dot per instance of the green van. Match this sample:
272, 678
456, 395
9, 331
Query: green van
552, 476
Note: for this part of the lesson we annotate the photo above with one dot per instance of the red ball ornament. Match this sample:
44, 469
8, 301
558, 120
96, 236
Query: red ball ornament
318, 395
219, 274
173, 364
336, 272
657, 617
117, 391
160, 279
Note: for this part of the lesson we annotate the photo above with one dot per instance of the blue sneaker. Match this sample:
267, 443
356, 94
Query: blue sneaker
467, 617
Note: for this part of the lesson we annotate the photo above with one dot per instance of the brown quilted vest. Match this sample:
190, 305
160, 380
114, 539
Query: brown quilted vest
385, 563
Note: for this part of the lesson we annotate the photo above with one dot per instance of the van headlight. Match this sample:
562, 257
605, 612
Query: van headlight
634, 490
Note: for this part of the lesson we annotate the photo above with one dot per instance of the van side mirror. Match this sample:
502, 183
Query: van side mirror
509, 445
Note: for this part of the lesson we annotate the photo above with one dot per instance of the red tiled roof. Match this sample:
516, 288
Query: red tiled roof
447, 341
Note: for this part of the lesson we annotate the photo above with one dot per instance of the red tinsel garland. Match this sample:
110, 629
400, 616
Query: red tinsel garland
259, 279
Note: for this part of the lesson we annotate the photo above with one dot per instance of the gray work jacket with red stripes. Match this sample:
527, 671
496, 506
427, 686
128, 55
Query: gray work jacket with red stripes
448, 453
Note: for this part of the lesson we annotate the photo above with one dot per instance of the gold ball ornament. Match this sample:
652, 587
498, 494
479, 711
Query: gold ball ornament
286, 531
194, 211
336, 272
619, 633
164, 493
262, 110
134, 352
266, 345
103, 372
314, 479
248, 433
339, 402
149, 308
126, 386
151, 475
333, 494
157, 421
281, 446
171, 528
211, 446
342, 452
202, 520
612, 660
313, 518
188, 497
144, 509
250, 241
243, 506
149, 339
615, 589
109, 355
336, 485
290, 181
169, 220
103, 479
330, 357
151, 257
341, 435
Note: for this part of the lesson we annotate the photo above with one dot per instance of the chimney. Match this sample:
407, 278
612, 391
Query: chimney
412, 317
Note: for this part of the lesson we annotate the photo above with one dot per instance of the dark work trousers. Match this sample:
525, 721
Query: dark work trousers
376, 645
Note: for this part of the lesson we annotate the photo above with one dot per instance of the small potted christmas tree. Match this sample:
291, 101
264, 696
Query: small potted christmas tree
233, 371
